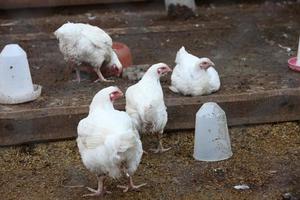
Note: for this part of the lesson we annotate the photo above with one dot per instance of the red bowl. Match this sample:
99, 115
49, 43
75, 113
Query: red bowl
124, 55
293, 64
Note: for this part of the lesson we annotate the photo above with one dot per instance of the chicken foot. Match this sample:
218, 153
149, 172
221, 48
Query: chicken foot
130, 185
101, 189
160, 148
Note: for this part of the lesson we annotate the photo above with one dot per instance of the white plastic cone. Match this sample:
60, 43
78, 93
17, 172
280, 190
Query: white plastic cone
212, 142
298, 54
15, 78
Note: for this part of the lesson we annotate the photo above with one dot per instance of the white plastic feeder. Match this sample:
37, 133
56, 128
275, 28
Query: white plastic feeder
15, 78
188, 3
212, 142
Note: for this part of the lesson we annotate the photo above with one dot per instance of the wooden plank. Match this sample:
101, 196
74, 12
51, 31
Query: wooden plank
241, 109
11, 4
171, 28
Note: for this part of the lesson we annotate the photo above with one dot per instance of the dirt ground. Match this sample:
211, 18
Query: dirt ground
265, 157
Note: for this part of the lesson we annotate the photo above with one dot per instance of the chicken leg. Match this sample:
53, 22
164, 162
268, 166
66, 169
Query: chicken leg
100, 76
101, 189
160, 148
130, 185
78, 79
72, 65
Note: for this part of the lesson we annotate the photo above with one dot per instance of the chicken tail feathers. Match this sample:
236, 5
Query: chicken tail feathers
180, 53
119, 144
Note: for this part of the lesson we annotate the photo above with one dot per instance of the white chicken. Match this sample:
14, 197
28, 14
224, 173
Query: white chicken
84, 43
145, 103
108, 142
194, 76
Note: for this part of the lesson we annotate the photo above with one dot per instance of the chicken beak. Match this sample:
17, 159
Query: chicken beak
119, 94
212, 64
168, 69
120, 72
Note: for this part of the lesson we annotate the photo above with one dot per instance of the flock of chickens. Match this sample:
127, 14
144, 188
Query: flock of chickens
108, 139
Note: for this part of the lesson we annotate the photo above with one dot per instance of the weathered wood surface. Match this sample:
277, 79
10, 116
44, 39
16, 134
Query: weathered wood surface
120, 31
11, 4
241, 109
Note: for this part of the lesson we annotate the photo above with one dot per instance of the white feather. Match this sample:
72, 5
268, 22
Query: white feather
107, 139
189, 79
145, 103
84, 43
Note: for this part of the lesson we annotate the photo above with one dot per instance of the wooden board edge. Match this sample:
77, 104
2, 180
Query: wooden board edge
177, 100
279, 107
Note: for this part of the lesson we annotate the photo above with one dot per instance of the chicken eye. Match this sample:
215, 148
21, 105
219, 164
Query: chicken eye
204, 63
